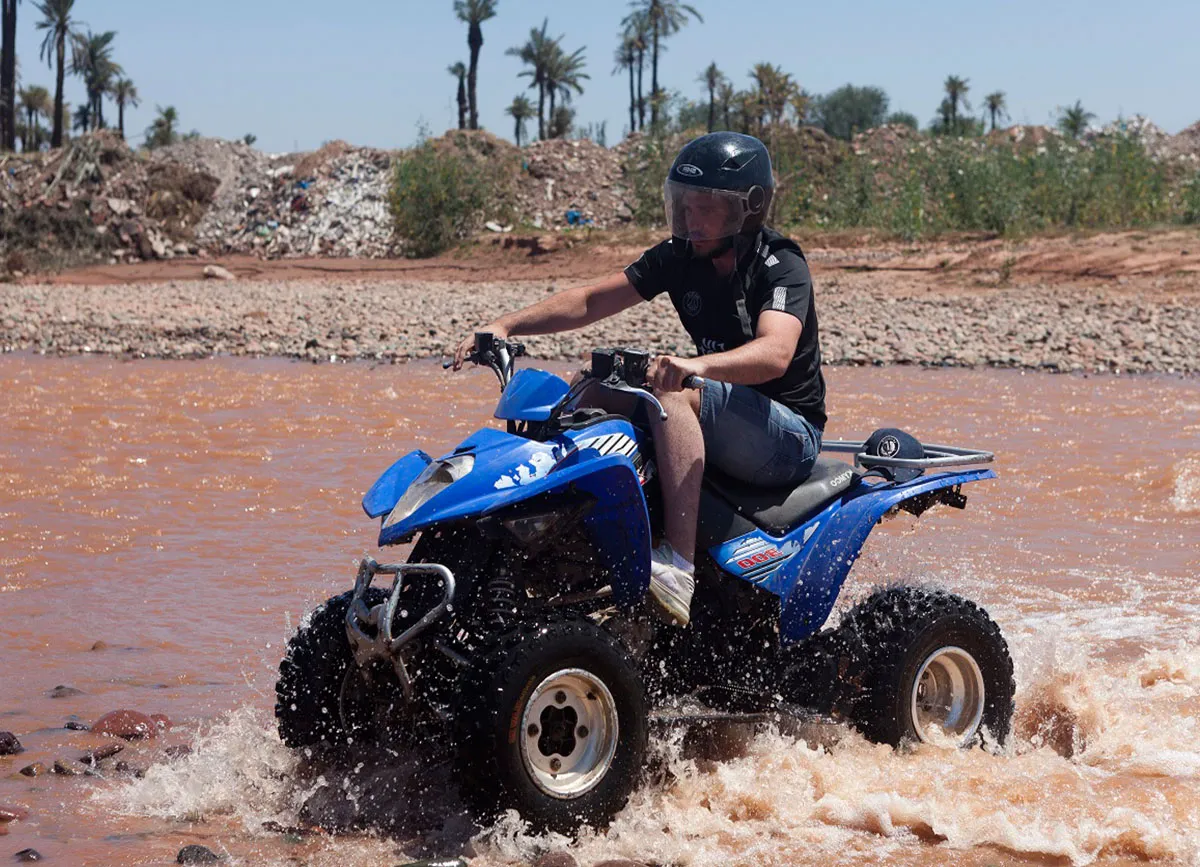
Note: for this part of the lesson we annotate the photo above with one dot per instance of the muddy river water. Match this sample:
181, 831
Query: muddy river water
164, 525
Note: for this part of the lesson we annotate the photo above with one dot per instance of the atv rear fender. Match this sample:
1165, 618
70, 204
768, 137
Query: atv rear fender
811, 582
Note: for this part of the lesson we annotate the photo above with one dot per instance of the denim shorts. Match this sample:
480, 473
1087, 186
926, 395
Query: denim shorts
755, 439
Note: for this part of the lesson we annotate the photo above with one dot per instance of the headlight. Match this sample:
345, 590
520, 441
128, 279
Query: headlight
439, 475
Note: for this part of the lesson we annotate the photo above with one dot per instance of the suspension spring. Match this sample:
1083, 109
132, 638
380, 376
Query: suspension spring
502, 600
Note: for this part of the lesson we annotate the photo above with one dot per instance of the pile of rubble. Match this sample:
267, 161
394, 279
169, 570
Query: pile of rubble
1153, 138
568, 182
332, 202
95, 200
1186, 144
887, 141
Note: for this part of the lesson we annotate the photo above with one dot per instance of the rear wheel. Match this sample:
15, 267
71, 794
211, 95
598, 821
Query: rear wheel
551, 722
918, 665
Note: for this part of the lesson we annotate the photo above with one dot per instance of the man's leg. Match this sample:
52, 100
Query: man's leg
679, 446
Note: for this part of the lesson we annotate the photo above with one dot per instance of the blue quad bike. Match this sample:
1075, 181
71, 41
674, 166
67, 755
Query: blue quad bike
518, 635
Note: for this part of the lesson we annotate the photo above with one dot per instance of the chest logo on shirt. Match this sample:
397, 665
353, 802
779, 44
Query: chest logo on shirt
708, 346
692, 303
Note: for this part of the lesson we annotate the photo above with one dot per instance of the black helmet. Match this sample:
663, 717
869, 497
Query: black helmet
729, 171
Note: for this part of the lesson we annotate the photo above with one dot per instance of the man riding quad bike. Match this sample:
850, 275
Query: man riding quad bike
521, 630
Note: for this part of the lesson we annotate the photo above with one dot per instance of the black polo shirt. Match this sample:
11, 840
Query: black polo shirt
707, 306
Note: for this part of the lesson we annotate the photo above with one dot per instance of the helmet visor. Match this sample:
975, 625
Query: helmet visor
703, 214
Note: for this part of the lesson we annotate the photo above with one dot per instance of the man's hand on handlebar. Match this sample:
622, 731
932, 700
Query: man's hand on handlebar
668, 373
467, 346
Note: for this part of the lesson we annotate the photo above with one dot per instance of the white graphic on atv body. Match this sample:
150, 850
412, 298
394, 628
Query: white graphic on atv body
538, 467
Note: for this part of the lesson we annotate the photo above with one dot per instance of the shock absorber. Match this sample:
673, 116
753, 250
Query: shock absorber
503, 599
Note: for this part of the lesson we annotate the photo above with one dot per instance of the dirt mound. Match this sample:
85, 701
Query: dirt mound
568, 182
886, 142
1186, 144
96, 200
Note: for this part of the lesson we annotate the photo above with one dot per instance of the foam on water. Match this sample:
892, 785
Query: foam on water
1105, 761
1186, 496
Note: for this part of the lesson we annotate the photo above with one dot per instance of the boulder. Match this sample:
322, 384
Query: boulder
197, 854
128, 724
9, 745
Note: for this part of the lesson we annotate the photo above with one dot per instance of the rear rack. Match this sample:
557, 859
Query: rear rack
935, 456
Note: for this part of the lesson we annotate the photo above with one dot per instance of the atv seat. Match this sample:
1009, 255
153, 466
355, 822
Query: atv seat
778, 510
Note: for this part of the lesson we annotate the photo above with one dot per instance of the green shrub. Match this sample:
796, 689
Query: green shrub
443, 190
1189, 205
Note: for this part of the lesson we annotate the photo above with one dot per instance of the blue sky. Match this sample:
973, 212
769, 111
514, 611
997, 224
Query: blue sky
297, 73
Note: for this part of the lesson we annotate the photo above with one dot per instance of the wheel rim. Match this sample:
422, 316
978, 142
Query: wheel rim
947, 697
569, 733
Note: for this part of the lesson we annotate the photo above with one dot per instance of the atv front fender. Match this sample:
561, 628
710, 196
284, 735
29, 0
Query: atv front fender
386, 492
812, 581
618, 523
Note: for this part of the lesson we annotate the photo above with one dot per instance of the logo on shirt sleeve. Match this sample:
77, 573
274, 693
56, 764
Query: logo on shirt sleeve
779, 302
692, 303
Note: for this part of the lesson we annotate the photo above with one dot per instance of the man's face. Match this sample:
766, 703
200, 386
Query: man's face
707, 218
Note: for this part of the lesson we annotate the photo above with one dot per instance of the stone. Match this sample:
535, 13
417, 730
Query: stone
12, 814
28, 856
9, 745
197, 854
75, 725
128, 724
120, 207
556, 859
69, 768
93, 757
62, 691
34, 770
178, 751
216, 272
619, 862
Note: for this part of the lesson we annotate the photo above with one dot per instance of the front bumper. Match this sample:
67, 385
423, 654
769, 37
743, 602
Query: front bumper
369, 629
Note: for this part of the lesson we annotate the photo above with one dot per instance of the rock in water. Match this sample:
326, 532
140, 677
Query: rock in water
11, 814
556, 859
62, 691
9, 745
34, 770
128, 724
196, 854
28, 856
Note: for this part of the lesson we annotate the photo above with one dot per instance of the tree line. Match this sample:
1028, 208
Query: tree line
68, 47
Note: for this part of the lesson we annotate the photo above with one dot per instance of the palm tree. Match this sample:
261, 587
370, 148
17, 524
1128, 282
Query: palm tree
956, 92
520, 111
536, 54
775, 91
712, 79
164, 131
474, 13
625, 58
996, 106
35, 102
8, 75
459, 71
92, 60
59, 27
1075, 119
666, 18
563, 74
82, 119
637, 31
727, 95
124, 93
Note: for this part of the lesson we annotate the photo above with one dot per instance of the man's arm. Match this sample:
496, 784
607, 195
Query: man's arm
760, 360
563, 311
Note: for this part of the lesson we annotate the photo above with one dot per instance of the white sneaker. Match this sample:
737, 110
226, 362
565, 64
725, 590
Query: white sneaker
671, 585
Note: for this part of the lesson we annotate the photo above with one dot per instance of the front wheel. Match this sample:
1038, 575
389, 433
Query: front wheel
319, 695
551, 722
918, 665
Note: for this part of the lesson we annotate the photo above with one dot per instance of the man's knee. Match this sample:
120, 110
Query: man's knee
687, 400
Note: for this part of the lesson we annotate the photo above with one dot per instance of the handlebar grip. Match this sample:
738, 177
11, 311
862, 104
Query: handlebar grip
693, 381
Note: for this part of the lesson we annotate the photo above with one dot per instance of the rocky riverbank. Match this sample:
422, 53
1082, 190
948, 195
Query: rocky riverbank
1058, 328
